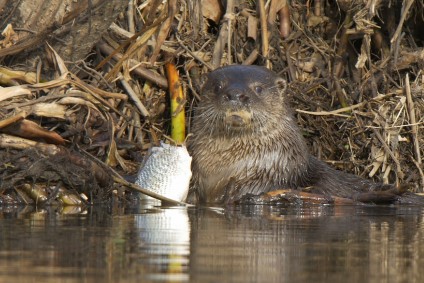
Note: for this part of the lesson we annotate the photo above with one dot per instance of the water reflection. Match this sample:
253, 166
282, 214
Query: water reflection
164, 236
336, 244
242, 244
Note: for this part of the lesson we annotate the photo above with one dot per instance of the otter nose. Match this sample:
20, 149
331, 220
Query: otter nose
237, 95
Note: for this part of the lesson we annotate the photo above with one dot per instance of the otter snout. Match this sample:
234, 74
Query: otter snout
237, 95
238, 119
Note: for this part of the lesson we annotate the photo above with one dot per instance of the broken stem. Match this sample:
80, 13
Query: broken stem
264, 33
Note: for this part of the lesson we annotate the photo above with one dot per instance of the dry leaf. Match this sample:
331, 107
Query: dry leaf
212, 10
12, 91
10, 37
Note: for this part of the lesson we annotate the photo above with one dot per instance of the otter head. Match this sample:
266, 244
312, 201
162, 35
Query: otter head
240, 99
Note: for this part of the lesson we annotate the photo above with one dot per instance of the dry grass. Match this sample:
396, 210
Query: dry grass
355, 70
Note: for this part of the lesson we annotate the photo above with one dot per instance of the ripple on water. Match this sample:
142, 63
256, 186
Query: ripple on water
240, 244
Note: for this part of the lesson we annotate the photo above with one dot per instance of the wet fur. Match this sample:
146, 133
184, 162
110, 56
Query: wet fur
265, 154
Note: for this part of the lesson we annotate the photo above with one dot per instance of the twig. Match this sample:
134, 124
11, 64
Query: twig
118, 179
164, 30
130, 15
339, 65
134, 97
414, 127
398, 35
190, 86
284, 15
339, 92
399, 172
229, 16
317, 7
418, 165
13, 119
264, 33
341, 49
374, 87
223, 36
290, 64
141, 33
142, 72
405, 9
344, 109
251, 58
193, 54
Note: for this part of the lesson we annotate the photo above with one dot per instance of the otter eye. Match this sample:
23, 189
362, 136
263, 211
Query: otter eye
218, 88
258, 89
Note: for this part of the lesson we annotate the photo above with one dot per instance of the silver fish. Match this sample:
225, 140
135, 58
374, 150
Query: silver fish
166, 171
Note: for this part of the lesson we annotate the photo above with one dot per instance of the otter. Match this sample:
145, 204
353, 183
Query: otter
245, 141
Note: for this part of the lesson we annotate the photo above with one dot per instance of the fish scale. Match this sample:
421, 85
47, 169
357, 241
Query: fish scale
166, 171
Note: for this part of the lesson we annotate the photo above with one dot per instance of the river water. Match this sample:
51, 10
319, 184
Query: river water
238, 244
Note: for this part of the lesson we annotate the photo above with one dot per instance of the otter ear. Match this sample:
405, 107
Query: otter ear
281, 84
199, 81
203, 79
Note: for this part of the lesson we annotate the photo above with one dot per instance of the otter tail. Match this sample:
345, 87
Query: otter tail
410, 198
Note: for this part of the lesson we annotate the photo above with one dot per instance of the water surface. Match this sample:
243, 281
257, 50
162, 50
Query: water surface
240, 244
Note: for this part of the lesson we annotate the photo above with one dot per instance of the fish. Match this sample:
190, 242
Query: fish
166, 170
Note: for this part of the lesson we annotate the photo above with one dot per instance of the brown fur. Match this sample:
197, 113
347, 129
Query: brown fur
246, 141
